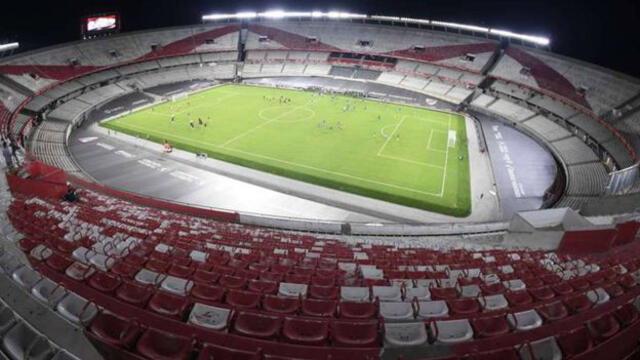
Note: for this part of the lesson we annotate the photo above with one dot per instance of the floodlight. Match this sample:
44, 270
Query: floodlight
9, 46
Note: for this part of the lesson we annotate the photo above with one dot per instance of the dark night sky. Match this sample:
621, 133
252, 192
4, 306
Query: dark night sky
604, 32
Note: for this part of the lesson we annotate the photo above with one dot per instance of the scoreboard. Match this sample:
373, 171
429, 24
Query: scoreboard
98, 25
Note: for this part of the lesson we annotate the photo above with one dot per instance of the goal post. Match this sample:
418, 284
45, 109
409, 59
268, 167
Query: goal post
178, 96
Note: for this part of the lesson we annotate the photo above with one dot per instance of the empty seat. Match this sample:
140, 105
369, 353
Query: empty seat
627, 314
543, 293
76, 309
176, 285
417, 293
22, 342
208, 293
26, 277
292, 289
324, 292
351, 293
263, 326
546, 348
464, 306
357, 310
396, 311
263, 286
578, 303
443, 293
354, 333
387, 293
514, 285
104, 282
598, 296
518, 298
451, 331
490, 326
318, 307
574, 342
212, 317
233, 282
525, 320
114, 330
470, 291
48, 292
168, 305
134, 294
553, 311
603, 327
7, 320
432, 309
305, 331
405, 334
156, 344
281, 305
493, 302
243, 299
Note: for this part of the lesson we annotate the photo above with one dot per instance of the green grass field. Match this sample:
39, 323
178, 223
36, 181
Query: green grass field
410, 156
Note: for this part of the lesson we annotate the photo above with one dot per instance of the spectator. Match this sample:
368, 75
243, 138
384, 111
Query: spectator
6, 152
71, 194
15, 148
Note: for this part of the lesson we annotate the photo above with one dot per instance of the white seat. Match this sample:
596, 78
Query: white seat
405, 334
82, 254
430, 309
396, 311
525, 320
22, 342
426, 283
41, 252
387, 293
163, 248
447, 283
420, 293
176, 285
493, 302
79, 271
26, 277
452, 331
372, 273
198, 256
146, 276
9, 263
514, 285
211, 317
598, 296
354, 293
293, 290
470, 291
7, 320
48, 292
350, 268
543, 349
76, 309
102, 262
506, 269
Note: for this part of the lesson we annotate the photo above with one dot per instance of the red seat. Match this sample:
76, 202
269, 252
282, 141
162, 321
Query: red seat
464, 306
578, 303
579, 284
518, 298
305, 331
280, 305
233, 282
181, 271
492, 289
158, 345
247, 274
217, 352
354, 333
168, 305
323, 292
626, 281
542, 293
603, 327
323, 280
562, 288
551, 279
298, 278
205, 277
58, 262
614, 290
263, 286
263, 326
489, 326
243, 299
553, 311
104, 282
208, 293
134, 294
271, 276
574, 342
443, 293
627, 314
157, 265
357, 310
125, 270
318, 307
114, 330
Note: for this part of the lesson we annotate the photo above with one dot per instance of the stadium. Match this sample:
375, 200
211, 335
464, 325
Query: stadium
317, 185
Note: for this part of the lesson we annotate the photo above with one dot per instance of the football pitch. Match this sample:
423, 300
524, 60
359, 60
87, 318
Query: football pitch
401, 154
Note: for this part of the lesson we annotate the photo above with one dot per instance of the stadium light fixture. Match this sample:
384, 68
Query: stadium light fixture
530, 38
460, 26
9, 46
276, 14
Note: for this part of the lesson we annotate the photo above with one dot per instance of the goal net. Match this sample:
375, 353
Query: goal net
178, 96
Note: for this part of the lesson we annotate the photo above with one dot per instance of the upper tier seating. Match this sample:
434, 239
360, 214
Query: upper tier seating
198, 287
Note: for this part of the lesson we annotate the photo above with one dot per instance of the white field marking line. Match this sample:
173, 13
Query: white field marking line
224, 145
336, 173
390, 136
411, 161
261, 116
446, 161
429, 141
168, 136
189, 108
